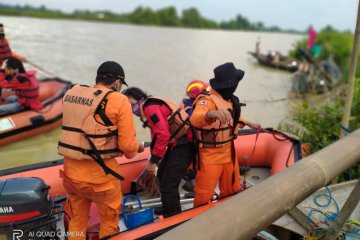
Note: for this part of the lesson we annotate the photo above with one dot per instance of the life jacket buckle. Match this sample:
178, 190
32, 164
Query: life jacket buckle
97, 92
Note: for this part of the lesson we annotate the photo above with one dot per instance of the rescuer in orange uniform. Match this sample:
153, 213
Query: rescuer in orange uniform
216, 120
97, 126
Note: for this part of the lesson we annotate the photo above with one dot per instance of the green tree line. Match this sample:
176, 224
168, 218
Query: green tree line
168, 16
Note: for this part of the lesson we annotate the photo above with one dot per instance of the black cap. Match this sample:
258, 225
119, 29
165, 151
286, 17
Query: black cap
111, 69
226, 76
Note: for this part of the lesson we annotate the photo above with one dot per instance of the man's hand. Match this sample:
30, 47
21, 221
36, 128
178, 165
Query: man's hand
253, 125
151, 167
256, 125
224, 116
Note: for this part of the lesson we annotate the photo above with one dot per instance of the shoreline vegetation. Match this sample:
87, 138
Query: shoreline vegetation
318, 125
168, 16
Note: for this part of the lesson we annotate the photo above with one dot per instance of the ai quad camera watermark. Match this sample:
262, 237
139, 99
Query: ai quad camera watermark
50, 235
17, 234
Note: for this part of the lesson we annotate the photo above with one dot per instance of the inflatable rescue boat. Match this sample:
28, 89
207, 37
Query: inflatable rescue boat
25, 189
29, 123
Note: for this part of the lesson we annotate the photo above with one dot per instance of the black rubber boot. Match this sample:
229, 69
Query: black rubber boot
159, 210
188, 186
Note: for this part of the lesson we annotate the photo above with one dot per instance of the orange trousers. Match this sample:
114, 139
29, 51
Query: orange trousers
228, 176
107, 198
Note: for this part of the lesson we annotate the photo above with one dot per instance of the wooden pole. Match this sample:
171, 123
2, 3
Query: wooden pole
247, 213
347, 209
352, 71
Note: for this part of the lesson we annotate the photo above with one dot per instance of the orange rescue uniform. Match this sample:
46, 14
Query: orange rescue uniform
217, 164
86, 182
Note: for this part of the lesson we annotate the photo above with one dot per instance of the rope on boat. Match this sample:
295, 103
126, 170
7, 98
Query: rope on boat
318, 229
326, 217
273, 100
347, 131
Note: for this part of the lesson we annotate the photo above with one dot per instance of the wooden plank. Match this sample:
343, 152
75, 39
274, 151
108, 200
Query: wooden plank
300, 218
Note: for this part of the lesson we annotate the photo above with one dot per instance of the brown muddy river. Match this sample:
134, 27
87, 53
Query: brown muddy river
157, 59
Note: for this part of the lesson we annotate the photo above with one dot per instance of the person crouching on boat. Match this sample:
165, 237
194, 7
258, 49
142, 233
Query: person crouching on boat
24, 83
193, 89
95, 130
171, 146
216, 119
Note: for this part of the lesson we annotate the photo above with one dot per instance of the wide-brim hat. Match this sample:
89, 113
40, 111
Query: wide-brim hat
111, 69
226, 76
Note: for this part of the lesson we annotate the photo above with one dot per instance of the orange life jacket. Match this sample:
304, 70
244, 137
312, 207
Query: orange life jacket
82, 135
178, 119
216, 134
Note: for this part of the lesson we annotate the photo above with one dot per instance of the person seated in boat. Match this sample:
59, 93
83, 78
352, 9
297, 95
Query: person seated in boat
5, 50
216, 120
171, 146
95, 130
193, 89
24, 83
274, 57
257, 47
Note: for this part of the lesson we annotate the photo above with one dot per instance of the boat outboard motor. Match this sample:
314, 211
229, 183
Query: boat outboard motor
27, 211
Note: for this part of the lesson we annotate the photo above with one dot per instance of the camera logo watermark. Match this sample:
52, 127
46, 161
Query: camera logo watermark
17, 234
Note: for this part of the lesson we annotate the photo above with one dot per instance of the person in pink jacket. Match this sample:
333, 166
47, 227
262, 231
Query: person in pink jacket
172, 148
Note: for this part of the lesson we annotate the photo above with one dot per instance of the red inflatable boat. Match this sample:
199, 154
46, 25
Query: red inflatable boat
28, 123
267, 148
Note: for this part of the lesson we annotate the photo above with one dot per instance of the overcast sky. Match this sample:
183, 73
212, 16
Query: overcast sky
295, 14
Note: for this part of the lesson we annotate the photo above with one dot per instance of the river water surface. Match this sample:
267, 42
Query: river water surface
159, 60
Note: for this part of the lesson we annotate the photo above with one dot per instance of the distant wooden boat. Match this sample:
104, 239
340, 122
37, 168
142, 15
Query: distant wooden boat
316, 76
28, 123
282, 62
